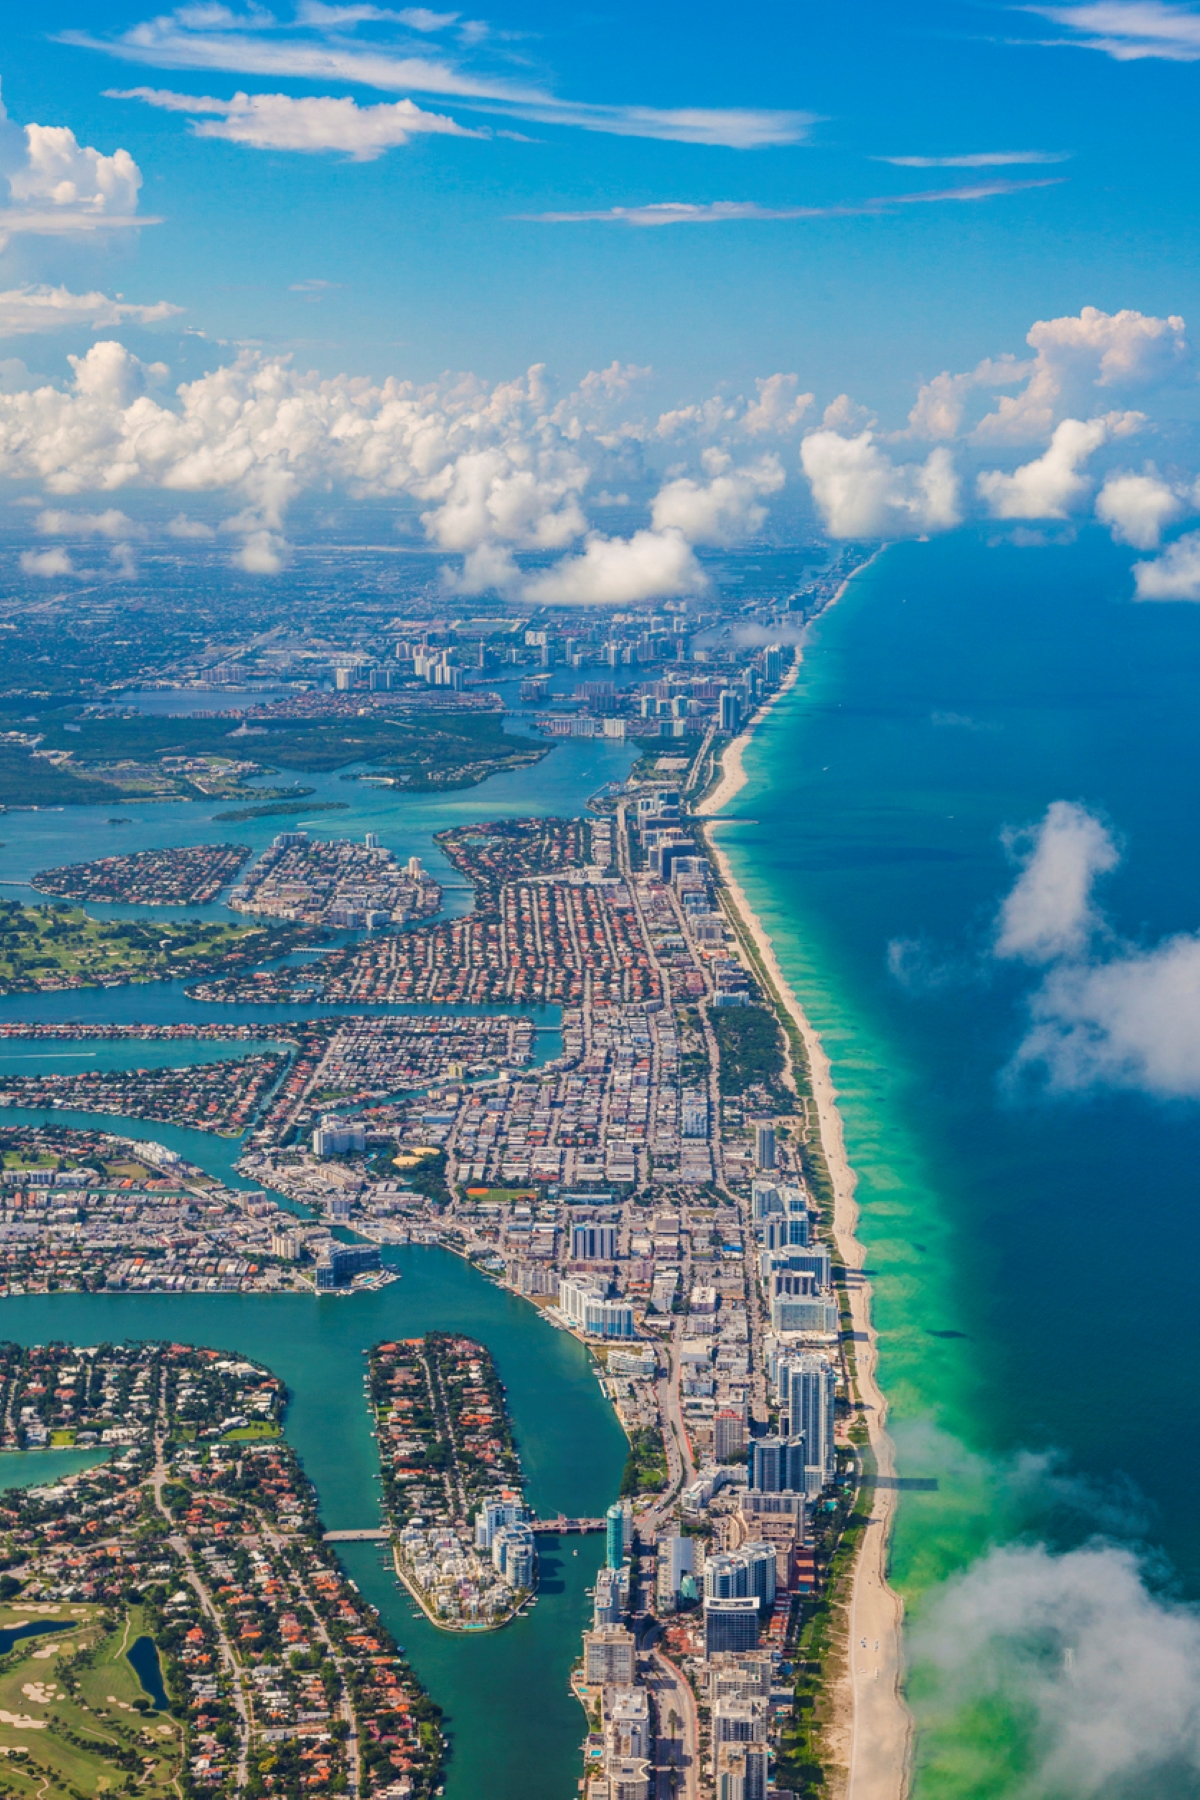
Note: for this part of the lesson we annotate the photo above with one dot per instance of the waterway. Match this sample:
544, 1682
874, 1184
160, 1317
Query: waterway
514, 1726
1034, 1252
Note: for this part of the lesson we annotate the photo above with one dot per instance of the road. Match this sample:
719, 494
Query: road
677, 1739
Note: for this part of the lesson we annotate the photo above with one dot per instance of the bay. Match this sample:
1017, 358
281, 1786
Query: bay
514, 1726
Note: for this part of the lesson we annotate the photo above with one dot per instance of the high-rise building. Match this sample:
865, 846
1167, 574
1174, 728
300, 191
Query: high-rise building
609, 1657
492, 1516
807, 1387
608, 1600
729, 1434
729, 711
759, 1559
764, 1144
739, 1721
333, 1137
614, 1535
627, 1734
741, 1771
676, 1559
730, 1624
593, 1243
777, 1464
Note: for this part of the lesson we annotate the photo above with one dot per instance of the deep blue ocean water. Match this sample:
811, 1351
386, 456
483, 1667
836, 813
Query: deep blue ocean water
957, 689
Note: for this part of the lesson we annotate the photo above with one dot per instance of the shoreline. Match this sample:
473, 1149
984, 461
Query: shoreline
876, 1747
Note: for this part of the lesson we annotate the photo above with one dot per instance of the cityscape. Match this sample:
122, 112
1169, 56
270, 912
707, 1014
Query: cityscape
599, 928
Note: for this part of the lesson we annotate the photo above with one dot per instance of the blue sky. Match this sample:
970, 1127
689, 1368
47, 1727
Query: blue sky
434, 268
865, 197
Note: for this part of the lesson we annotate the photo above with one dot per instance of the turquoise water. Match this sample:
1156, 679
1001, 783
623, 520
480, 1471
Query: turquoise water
514, 1725
42, 1468
957, 690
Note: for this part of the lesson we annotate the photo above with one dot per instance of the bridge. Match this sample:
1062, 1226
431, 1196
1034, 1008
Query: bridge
561, 1526
371, 1535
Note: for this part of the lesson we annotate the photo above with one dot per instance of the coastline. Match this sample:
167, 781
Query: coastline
874, 1743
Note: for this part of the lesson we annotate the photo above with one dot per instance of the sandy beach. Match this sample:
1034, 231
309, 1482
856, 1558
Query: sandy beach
871, 1736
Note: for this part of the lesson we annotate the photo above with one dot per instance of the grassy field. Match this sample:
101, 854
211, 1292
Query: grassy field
50, 947
74, 1718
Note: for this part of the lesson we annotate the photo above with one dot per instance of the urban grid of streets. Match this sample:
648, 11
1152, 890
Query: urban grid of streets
664, 1214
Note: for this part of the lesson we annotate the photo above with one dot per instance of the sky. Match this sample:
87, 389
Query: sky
964, 229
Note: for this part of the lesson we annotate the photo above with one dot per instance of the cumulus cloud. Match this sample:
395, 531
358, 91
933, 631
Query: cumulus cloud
42, 308
779, 408
860, 492
1175, 575
313, 123
61, 187
1106, 1013
1096, 1674
1049, 912
46, 562
1137, 507
1053, 484
650, 565
1130, 1022
194, 529
1078, 354
725, 510
109, 524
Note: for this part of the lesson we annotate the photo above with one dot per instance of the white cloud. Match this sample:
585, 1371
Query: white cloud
1053, 485
860, 492
59, 171
1076, 355
42, 308
844, 414
314, 123
46, 562
195, 529
730, 212
259, 44
1130, 30
1096, 1674
1175, 575
1131, 1022
651, 565
979, 159
1106, 1014
60, 187
1137, 507
941, 403
1049, 911
779, 408
725, 510
108, 524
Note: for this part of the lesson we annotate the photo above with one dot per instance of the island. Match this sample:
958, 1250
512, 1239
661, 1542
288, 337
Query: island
172, 1618
190, 875
463, 1543
44, 949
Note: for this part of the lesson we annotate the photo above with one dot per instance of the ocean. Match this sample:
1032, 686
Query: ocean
1034, 1251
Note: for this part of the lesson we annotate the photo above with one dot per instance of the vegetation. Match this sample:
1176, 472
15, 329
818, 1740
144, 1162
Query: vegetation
89, 1725
451, 749
27, 780
646, 1465
45, 948
751, 1046
277, 809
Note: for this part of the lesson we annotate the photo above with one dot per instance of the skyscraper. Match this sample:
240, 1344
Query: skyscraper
777, 1464
614, 1535
808, 1394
